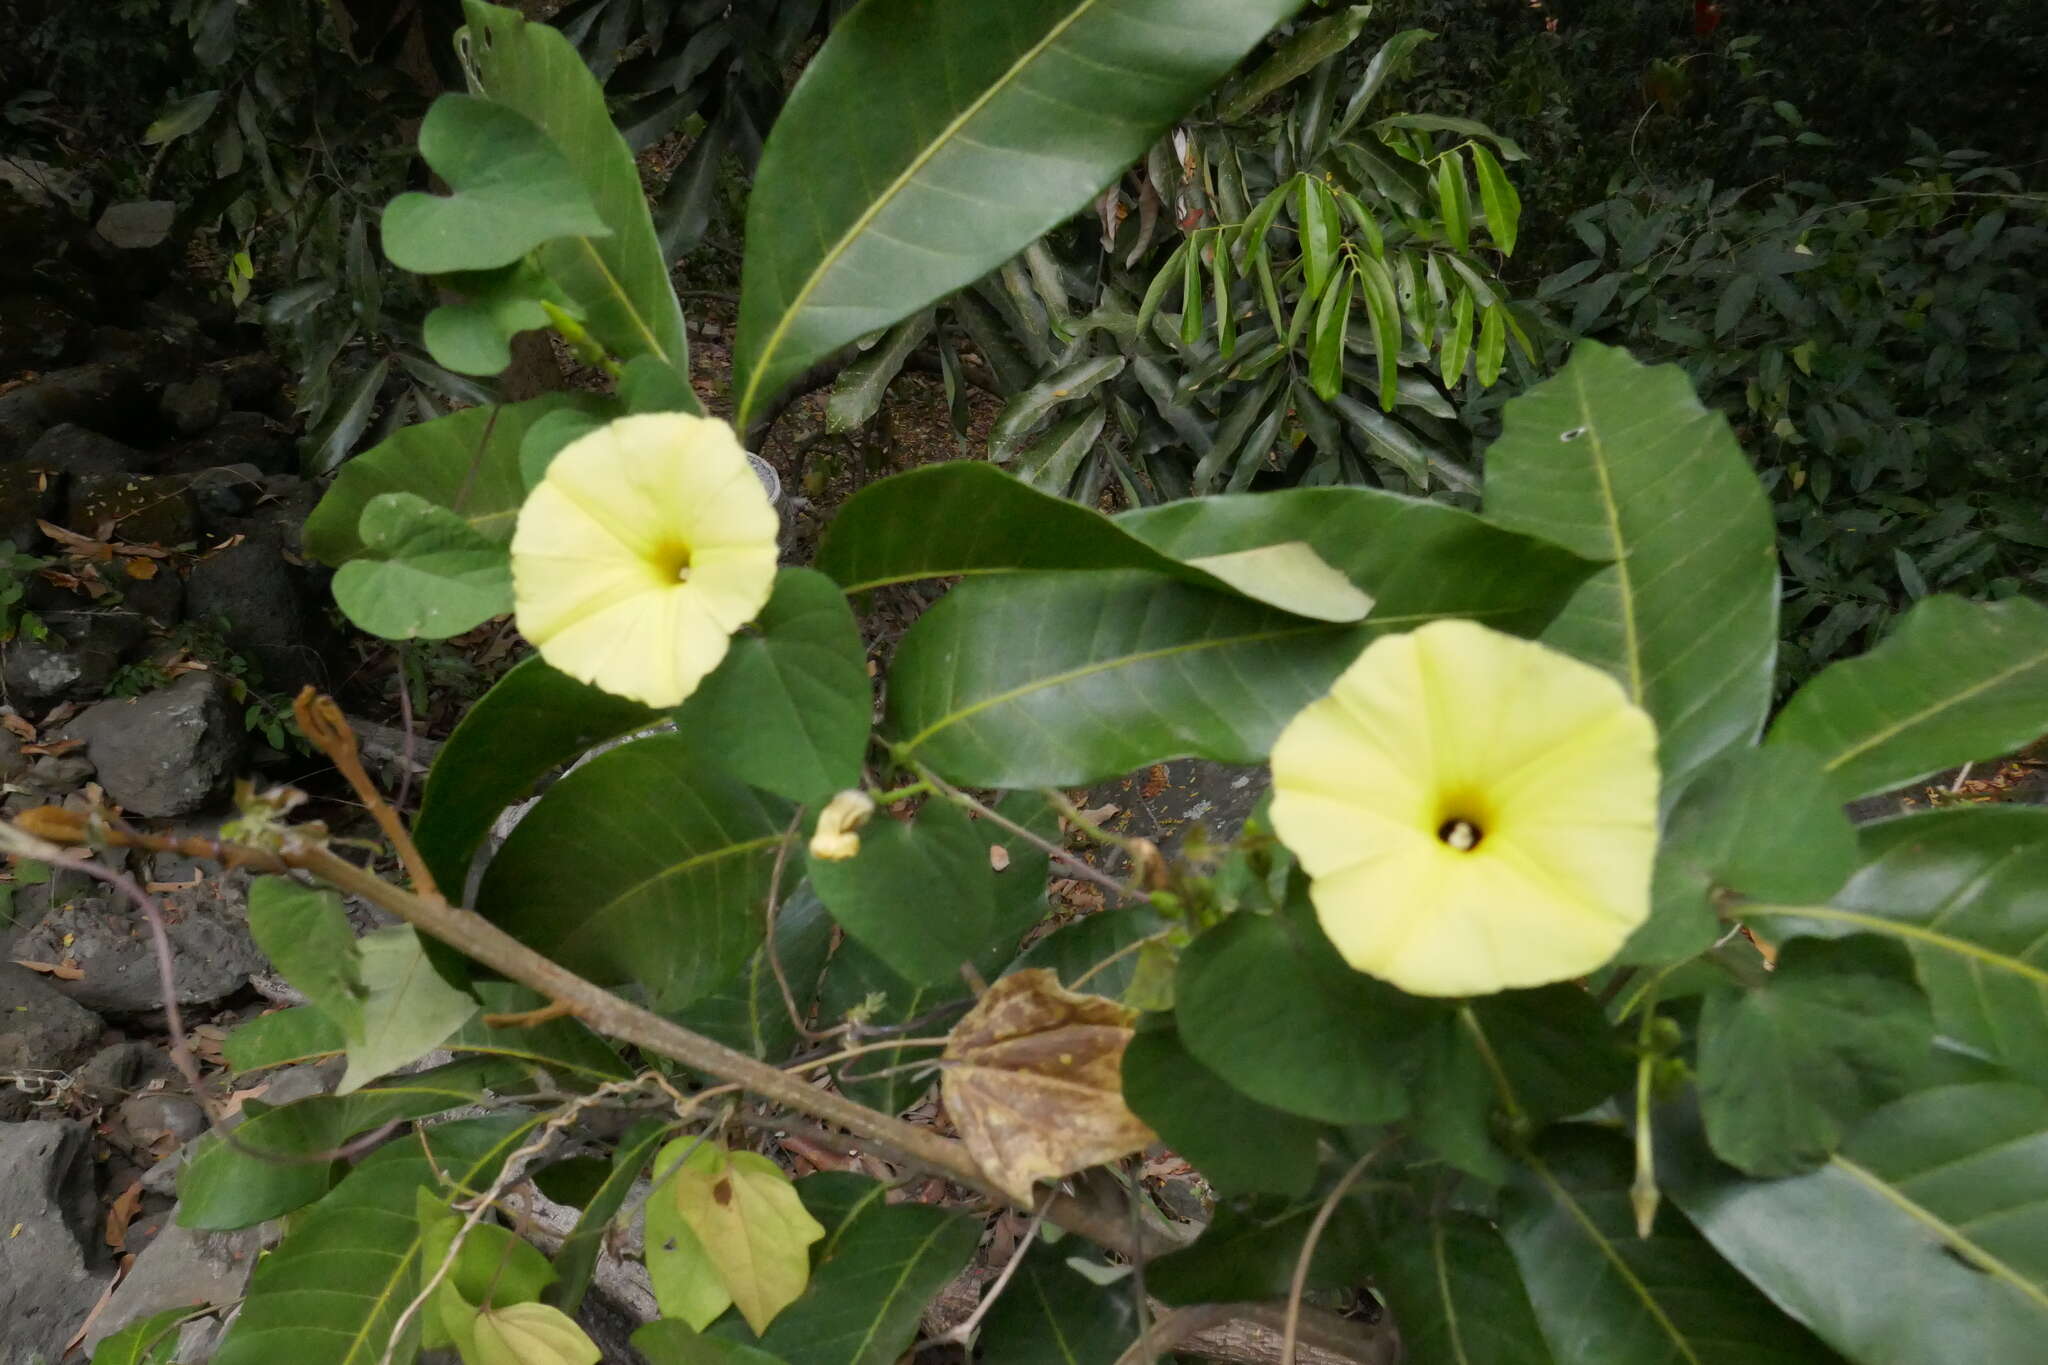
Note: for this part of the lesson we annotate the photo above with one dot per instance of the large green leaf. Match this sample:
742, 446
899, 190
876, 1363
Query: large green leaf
1760, 822
533, 720
151, 1341
855, 223
1265, 1002
1239, 1145
643, 865
222, 1187
308, 938
788, 708
1052, 1314
747, 1012
1456, 1292
870, 1288
1605, 1296
467, 462
332, 1291
1063, 679
971, 519
425, 572
1955, 680
1837, 1029
1621, 463
884, 895
1966, 890
1924, 1239
620, 280
513, 189
1249, 1251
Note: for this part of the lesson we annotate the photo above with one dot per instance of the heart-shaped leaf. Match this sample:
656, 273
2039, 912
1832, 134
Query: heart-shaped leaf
748, 1220
514, 189
425, 572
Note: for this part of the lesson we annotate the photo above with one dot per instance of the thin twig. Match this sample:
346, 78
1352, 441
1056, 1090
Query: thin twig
1079, 866
1297, 1286
796, 1017
321, 721
405, 718
963, 1334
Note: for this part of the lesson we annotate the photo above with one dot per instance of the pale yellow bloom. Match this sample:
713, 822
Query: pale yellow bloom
647, 544
837, 836
1475, 812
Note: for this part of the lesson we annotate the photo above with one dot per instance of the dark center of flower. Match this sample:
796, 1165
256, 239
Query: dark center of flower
672, 562
1460, 833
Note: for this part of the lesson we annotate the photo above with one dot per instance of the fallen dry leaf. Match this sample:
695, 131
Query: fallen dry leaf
121, 1213
1155, 781
139, 568
1033, 1081
53, 746
16, 725
998, 857
63, 971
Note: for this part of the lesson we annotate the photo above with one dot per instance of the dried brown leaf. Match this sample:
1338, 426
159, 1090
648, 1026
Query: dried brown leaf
1034, 1082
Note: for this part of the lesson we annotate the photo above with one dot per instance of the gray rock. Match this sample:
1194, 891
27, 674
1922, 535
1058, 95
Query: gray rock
40, 183
211, 956
183, 1268
27, 495
193, 405
251, 592
172, 752
48, 1280
138, 224
55, 776
253, 382
150, 1117
239, 438
106, 397
40, 1030
37, 333
224, 494
72, 449
75, 661
119, 1070
145, 510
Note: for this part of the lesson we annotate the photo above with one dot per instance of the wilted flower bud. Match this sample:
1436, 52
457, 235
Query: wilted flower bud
836, 838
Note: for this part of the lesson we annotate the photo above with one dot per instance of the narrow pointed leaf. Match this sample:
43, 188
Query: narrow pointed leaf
1498, 197
1454, 199
1383, 308
857, 222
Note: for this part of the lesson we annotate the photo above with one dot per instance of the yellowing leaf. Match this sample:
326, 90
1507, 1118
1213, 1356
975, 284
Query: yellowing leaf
1034, 1082
410, 1008
529, 1334
753, 1228
687, 1286
1292, 577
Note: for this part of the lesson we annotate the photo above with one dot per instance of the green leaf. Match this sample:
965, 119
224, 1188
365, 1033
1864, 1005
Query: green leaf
222, 1187
1963, 890
467, 462
883, 895
1051, 1312
530, 722
1264, 1002
1392, 53
1760, 822
1498, 197
1620, 462
857, 396
788, 708
1955, 680
1249, 1251
1924, 1239
684, 1278
1321, 230
869, 1291
674, 901
668, 1342
1455, 1291
347, 417
552, 434
894, 1079
1326, 335
1383, 309
620, 281
1444, 123
301, 1033
577, 1258
331, 1293
1454, 199
1493, 344
1304, 50
513, 189
564, 1046
1605, 1296
530, 1334
149, 1341
1784, 1068
473, 334
1023, 415
307, 937
180, 117
1077, 950
1048, 464
493, 1267
1457, 343
1239, 1145
752, 1225
854, 223
747, 1012
424, 572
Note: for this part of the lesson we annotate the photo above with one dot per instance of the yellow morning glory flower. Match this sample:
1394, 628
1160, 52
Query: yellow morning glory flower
1475, 812
647, 544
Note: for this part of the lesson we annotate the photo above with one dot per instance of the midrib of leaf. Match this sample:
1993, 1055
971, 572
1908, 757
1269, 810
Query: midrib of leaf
1900, 726
1614, 1259
1087, 670
1052, 1320
1879, 924
888, 196
672, 870
1950, 1235
1631, 643
896, 1289
632, 311
1443, 1289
